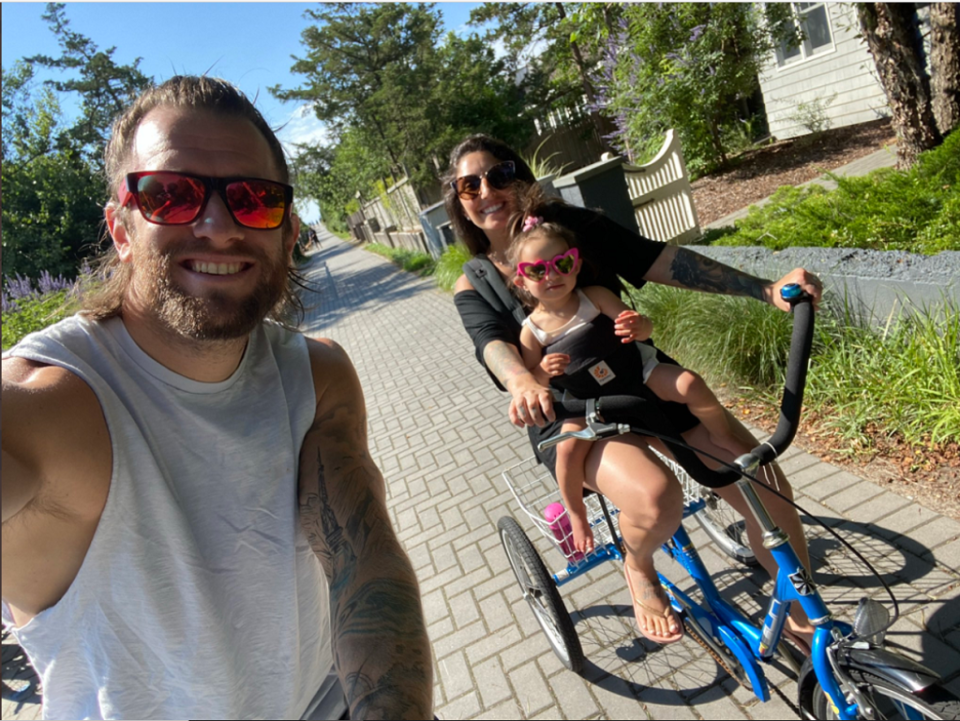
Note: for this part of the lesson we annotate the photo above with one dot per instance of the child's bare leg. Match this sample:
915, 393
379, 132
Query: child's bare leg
673, 383
571, 475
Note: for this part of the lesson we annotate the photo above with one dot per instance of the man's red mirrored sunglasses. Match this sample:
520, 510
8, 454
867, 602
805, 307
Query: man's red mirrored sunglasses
169, 198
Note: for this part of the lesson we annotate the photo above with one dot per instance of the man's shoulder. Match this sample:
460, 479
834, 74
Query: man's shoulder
53, 418
40, 380
329, 363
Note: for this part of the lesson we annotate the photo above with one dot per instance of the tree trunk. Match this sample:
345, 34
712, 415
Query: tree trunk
945, 64
890, 30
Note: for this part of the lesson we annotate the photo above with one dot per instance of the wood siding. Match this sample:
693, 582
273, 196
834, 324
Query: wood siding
845, 72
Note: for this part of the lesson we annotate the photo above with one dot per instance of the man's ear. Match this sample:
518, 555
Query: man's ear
294, 236
118, 232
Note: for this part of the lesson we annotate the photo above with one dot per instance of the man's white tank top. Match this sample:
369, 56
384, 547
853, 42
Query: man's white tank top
199, 596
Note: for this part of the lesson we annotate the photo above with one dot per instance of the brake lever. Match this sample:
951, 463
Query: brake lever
596, 429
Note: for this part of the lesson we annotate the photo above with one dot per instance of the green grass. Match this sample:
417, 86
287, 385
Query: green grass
450, 266
35, 314
899, 380
916, 211
413, 261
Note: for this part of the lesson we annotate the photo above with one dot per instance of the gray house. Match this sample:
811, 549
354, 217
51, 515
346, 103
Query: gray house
830, 74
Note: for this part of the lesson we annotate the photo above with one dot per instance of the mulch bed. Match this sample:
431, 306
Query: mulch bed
761, 171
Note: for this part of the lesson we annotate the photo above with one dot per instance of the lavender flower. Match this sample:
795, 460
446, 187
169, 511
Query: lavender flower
9, 305
19, 287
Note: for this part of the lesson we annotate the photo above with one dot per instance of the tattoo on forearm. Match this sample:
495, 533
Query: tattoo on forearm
698, 272
380, 640
504, 361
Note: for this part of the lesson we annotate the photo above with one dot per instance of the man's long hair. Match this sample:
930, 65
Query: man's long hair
103, 289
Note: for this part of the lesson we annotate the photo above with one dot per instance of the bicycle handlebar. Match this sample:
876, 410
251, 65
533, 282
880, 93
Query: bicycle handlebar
643, 415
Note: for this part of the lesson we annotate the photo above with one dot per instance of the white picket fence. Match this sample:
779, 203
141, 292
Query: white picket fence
661, 195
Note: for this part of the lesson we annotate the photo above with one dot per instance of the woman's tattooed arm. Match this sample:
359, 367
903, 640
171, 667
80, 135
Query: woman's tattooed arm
381, 648
683, 268
504, 361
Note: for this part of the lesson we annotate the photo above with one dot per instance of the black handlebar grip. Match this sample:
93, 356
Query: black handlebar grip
798, 362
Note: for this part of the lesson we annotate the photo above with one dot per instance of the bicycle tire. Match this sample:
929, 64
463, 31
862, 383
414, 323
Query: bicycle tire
541, 594
726, 528
934, 702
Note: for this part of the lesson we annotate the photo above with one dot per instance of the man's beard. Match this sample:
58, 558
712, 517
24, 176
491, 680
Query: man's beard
217, 315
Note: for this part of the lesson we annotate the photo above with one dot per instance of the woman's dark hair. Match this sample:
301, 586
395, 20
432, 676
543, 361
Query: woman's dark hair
474, 238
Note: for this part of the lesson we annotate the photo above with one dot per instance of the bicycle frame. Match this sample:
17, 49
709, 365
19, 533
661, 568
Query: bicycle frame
747, 642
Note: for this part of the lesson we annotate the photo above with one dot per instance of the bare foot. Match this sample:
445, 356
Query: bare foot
651, 606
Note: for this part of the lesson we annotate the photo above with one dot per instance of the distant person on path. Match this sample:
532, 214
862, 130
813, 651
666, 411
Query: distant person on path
482, 190
192, 523
313, 240
585, 340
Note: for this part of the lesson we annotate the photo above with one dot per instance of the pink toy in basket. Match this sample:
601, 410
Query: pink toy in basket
556, 516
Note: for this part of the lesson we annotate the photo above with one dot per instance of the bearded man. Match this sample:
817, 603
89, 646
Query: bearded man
156, 560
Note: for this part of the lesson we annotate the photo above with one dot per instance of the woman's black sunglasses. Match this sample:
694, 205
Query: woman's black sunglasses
498, 177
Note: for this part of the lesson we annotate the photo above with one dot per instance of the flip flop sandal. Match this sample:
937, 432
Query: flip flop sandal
666, 613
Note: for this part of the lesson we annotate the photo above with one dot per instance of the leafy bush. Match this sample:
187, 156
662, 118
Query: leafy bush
916, 211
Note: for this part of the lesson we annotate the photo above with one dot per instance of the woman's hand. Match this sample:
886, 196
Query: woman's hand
807, 282
532, 402
554, 364
631, 326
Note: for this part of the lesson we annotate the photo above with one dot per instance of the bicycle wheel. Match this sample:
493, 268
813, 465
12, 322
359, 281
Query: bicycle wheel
889, 701
726, 528
541, 593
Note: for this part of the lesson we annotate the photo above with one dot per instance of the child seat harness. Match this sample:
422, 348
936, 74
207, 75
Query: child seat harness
595, 343
486, 280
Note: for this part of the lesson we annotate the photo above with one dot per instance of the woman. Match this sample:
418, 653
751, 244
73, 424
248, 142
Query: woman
481, 195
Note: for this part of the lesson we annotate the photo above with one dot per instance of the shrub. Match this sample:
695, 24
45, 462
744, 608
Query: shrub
916, 211
33, 313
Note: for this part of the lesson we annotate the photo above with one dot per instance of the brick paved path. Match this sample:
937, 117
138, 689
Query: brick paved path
438, 431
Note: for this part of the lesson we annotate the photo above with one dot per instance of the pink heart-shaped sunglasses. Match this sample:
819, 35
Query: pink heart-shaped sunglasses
562, 264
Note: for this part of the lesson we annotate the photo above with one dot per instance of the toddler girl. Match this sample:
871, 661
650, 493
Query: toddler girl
565, 317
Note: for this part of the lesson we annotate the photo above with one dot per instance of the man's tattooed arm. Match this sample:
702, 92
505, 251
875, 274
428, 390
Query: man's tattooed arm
683, 268
381, 648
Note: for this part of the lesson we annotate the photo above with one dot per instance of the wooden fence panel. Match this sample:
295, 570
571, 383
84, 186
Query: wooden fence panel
661, 195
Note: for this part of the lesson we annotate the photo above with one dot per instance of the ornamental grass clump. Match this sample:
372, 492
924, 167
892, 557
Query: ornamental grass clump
899, 379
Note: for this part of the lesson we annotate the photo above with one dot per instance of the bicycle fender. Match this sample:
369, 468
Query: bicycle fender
880, 662
891, 666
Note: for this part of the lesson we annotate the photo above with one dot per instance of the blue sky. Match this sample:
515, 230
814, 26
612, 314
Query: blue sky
247, 43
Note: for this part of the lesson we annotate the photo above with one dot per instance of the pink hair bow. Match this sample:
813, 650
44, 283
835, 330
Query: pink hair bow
531, 222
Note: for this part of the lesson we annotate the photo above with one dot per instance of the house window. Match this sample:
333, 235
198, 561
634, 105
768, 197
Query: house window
812, 20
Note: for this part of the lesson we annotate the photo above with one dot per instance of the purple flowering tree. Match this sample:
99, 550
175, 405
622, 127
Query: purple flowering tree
687, 66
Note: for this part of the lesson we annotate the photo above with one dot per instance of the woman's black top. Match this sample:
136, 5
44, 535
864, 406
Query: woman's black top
608, 250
